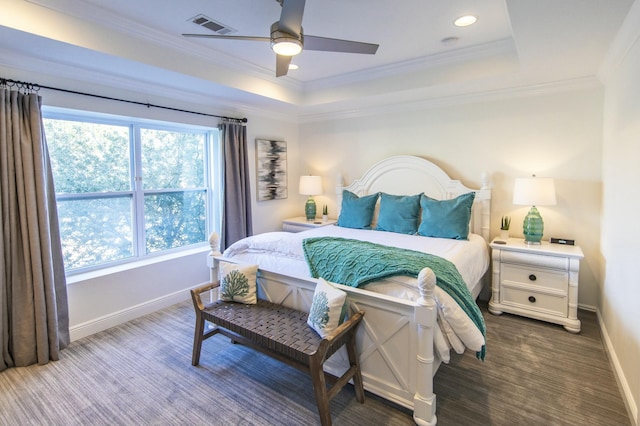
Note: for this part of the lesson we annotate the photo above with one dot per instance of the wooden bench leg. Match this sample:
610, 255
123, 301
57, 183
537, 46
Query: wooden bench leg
320, 388
355, 362
197, 338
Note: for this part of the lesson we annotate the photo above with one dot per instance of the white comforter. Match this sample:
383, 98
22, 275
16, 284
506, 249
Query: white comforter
282, 252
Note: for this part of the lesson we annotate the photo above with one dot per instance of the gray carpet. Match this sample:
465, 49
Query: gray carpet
141, 373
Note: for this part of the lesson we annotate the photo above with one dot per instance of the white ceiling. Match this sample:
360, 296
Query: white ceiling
514, 43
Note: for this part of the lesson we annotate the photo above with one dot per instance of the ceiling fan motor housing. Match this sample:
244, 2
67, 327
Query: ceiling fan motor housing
284, 43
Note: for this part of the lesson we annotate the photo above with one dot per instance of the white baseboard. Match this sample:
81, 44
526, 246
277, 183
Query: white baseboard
589, 308
111, 320
632, 408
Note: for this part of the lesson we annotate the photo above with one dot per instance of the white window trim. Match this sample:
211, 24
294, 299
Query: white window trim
214, 198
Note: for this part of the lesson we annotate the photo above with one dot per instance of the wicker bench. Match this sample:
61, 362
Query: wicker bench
283, 334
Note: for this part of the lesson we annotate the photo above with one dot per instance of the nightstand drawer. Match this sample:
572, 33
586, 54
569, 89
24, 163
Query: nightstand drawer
554, 262
534, 301
538, 277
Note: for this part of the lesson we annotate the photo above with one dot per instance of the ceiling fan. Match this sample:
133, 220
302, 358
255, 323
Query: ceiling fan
287, 39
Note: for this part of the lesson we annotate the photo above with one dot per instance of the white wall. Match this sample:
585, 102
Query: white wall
268, 215
556, 135
620, 292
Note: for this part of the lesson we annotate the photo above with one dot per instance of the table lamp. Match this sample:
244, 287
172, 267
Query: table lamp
534, 192
310, 185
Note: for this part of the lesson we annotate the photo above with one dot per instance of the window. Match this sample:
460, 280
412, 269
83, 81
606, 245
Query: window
127, 189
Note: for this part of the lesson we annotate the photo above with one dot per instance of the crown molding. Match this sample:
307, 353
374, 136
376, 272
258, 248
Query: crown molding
100, 82
627, 37
406, 105
498, 47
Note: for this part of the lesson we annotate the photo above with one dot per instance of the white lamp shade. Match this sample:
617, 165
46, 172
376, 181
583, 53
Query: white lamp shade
310, 185
534, 191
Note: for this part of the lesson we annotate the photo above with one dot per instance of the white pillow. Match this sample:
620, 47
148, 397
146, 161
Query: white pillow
453, 339
238, 283
441, 346
459, 321
325, 314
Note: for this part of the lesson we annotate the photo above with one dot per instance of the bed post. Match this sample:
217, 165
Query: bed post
485, 219
424, 400
339, 189
214, 242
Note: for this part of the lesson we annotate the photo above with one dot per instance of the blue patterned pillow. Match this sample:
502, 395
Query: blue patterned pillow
238, 283
399, 213
357, 212
446, 218
326, 311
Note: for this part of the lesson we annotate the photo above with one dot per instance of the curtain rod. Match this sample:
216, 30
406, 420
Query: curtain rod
35, 87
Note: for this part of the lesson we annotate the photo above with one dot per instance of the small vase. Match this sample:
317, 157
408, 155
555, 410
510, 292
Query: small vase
504, 234
325, 217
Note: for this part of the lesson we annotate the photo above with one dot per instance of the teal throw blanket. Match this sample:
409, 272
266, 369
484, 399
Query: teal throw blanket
355, 263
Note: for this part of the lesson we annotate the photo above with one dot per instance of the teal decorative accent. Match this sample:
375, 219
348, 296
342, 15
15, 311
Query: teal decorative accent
319, 313
399, 213
310, 208
235, 283
357, 212
446, 218
533, 226
355, 263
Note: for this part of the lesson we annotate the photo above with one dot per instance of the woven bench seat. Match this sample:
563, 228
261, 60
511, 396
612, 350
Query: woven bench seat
282, 333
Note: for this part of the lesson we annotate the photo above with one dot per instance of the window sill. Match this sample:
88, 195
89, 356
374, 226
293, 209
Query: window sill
99, 273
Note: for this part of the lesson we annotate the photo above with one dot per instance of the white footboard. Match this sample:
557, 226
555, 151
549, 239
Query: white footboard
394, 340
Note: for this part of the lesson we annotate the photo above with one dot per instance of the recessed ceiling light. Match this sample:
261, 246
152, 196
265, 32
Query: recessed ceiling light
293, 67
465, 21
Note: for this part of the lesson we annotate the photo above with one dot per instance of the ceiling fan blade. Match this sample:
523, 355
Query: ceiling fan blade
291, 16
250, 38
337, 45
282, 65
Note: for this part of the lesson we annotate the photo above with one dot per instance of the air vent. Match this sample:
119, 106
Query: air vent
212, 25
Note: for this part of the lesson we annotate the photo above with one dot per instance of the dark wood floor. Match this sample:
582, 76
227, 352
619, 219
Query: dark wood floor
535, 373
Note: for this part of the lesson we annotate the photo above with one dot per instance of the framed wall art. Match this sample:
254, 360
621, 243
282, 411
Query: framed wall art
271, 158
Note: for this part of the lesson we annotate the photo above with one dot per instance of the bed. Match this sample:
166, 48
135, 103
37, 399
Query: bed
400, 341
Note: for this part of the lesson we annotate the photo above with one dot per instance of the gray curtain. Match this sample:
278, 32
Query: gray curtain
236, 213
34, 316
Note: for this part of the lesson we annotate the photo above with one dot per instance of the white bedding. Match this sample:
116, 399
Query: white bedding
281, 252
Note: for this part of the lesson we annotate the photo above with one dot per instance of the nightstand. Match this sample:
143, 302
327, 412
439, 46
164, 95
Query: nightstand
298, 224
536, 281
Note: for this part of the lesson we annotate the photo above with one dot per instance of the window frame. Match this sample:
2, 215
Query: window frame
212, 180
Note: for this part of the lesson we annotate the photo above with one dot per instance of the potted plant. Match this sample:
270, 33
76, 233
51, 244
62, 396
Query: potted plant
325, 213
504, 226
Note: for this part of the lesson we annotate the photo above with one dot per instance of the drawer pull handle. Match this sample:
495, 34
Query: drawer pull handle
532, 299
533, 277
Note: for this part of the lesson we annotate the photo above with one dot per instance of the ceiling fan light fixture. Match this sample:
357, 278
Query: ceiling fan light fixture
285, 43
286, 46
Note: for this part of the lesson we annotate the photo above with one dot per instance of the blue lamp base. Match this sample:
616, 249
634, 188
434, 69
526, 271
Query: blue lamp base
310, 209
533, 226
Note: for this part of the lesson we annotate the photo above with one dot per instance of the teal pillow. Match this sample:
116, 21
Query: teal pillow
357, 212
399, 213
446, 218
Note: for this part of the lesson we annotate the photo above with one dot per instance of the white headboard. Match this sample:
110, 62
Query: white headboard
409, 175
